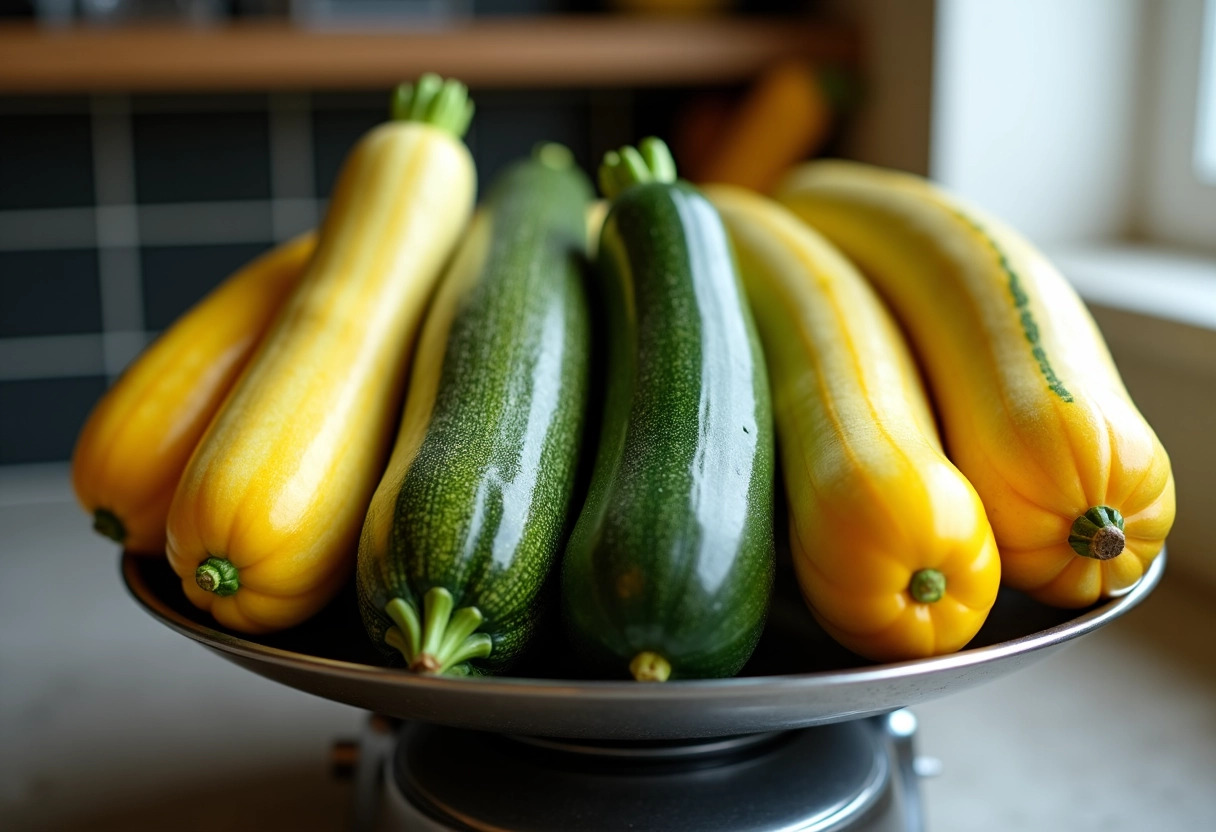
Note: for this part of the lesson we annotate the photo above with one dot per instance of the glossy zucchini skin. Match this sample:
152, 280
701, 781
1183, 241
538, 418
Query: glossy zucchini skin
478, 497
672, 553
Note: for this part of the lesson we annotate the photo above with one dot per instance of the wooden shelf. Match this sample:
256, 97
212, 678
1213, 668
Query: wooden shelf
537, 52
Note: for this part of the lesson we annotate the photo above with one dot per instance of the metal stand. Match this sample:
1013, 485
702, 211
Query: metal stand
858, 776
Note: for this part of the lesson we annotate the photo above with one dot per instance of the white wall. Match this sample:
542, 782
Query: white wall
1033, 111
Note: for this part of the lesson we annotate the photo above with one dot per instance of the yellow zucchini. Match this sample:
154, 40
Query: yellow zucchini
134, 446
786, 116
263, 527
890, 543
1076, 485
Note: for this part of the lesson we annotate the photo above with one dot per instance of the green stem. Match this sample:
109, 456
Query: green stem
393, 638
462, 625
650, 161
1098, 533
425, 92
658, 158
436, 612
406, 636
217, 575
650, 667
476, 646
927, 586
553, 155
433, 100
107, 523
441, 641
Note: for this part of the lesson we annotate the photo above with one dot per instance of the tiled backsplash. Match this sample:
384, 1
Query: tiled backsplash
119, 212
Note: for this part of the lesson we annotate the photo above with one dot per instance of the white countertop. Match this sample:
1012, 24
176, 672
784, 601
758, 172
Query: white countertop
109, 721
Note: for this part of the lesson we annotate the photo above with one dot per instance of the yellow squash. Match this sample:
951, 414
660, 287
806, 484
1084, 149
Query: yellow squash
891, 546
785, 118
135, 444
1077, 487
263, 528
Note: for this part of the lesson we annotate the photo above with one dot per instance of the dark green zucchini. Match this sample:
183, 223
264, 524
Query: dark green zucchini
471, 513
669, 568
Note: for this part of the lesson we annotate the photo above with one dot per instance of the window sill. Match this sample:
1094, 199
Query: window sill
1154, 303
1151, 281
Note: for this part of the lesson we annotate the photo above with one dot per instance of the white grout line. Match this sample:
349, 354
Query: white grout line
117, 226
294, 216
113, 153
165, 224
51, 356
291, 174
291, 164
120, 349
200, 223
47, 228
122, 308
121, 290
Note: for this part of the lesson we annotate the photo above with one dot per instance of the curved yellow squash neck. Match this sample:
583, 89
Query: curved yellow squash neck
280, 484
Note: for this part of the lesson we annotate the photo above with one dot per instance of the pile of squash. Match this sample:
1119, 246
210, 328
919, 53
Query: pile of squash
592, 396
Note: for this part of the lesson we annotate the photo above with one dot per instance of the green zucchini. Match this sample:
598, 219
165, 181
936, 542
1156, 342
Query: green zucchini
470, 515
669, 568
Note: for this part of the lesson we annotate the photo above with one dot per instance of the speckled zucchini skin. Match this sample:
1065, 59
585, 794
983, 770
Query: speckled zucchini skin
483, 504
673, 550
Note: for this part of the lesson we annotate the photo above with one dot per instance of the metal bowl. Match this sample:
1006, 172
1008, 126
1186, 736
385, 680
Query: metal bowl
797, 678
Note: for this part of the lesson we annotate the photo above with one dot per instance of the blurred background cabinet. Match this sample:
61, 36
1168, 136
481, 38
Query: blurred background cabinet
148, 149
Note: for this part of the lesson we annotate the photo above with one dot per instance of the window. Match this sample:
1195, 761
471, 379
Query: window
1205, 128
1178, 157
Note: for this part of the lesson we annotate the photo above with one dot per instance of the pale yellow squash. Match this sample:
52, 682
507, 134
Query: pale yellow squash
264, 525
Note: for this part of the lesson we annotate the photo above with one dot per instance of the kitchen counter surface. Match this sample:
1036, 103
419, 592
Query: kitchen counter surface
109, 721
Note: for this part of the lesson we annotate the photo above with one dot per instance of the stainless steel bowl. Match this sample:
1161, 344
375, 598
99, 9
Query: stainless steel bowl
797, 678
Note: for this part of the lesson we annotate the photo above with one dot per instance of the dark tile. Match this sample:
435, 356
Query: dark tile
25, 105
655, 111
46, 161
505, 128
520, 8
49, 292
39, 418
334, 133
378, 100
508, 125
176, 277
190, 157
197, 103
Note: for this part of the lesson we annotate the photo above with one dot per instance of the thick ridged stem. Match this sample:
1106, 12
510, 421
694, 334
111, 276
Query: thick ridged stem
217, 575
650, 161
927, 586
650, 667
441, 641
1098, 534
406, 635
107, 523
432, 100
